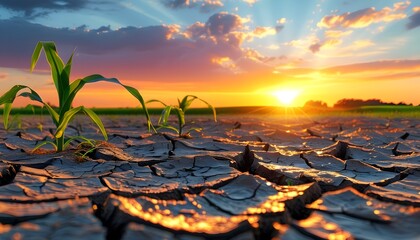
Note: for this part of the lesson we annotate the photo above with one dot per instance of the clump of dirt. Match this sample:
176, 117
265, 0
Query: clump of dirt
41, 151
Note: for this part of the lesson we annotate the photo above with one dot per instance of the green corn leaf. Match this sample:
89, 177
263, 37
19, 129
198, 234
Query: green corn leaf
64, 121
181, 116
35, 55
54, 115
185, 103
164, 116
138, 96
6, 113
68, 116
54, 60
65, 80
9, 96
45, 143
97, 121
35, 96
67, 68
211, 107
32, 95
166, 112
56, 65
169, 127
158, 101
181, 119
197, 129
189, 101
78, 84
60, 79
64, 88
84, 140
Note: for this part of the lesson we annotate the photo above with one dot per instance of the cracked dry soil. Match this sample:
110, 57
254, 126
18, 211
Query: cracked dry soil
260, 178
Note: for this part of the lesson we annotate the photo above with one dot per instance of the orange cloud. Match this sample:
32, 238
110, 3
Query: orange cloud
329, 43
364, 17
261, 32
214, 2
337, 33
172, 30
226, 62
250, 2
253, 54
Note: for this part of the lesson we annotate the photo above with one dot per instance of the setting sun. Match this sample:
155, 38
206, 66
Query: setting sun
286, 96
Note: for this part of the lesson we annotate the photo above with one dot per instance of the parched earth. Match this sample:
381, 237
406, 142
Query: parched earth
240, 178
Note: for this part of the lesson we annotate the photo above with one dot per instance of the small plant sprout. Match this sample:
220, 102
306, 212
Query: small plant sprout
66, 92
16, 121
179, 111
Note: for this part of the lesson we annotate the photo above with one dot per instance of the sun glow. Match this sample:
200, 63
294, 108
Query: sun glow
286, 96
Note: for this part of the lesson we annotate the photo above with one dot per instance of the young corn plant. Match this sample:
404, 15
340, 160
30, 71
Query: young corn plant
66, 92
16, 121
179, 111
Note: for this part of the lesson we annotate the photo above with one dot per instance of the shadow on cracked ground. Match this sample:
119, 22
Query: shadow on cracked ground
240, 178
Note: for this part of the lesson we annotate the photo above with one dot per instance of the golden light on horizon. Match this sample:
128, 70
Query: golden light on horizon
286, 97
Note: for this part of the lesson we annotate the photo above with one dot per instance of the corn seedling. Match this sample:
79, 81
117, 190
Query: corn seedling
179, 111
15, 123
66, 92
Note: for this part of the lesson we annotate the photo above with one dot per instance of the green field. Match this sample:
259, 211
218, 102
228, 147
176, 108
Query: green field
390, 108
388, 111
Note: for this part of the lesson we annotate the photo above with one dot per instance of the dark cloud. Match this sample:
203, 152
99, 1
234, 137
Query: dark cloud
204, 5
155, 52
314, 48
210, 5
178, 3
22, 36
222, 28
223, 23
29, 6
196, 30
413, 20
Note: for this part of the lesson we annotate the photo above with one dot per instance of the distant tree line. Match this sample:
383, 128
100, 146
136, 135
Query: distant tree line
348, 103
312, 104
356, 103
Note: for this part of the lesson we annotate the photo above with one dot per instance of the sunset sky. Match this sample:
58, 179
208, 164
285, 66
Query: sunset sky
229, 52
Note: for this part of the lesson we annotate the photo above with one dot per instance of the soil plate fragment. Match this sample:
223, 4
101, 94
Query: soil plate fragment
333, 178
